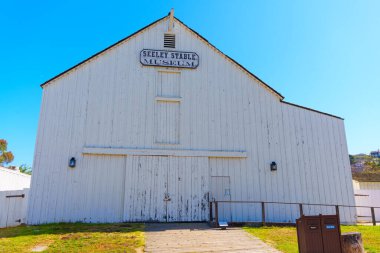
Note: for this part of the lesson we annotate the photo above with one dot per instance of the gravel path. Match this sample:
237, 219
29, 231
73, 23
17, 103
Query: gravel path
199, 237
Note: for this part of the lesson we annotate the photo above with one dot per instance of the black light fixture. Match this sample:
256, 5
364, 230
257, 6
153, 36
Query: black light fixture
72, 162
273, 166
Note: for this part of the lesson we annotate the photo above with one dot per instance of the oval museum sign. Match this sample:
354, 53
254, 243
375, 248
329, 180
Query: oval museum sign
164, 58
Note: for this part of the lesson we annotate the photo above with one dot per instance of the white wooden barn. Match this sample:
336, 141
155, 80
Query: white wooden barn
161, 122
12, 179
14, 191
367, 194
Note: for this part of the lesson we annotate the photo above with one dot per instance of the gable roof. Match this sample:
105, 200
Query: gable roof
265, 85
310, 109
188, 28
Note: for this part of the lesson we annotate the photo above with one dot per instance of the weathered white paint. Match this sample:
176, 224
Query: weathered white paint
164, 152
106, 114
13, 209
183, 181
367, 194
13, 180
220, 189
169, 99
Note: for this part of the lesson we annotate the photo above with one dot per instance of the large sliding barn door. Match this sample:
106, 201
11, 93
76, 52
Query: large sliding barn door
145, 188
188, 189
166, 189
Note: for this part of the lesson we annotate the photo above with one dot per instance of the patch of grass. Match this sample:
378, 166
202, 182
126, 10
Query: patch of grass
73, 237
285, 238
367, 176
281, 238
370, 235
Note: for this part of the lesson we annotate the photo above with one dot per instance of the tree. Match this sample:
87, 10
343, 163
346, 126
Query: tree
5, 156
25, 169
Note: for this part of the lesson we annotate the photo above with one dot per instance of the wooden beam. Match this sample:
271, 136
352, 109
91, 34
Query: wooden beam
263, 213
373, 216
216, 214
210, 217
337, 211
301, 209
169, 99
164, 152
171, 20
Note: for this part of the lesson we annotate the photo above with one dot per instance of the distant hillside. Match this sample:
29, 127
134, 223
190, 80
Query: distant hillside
365, 168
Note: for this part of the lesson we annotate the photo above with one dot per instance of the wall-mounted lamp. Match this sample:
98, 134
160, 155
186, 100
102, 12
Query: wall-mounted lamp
273, 166
72, 162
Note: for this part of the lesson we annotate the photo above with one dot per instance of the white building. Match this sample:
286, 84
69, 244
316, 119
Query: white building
13, 179
162, 122
367, 194
14, 188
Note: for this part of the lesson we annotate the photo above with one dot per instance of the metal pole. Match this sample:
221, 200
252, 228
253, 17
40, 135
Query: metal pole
263, 212
301, 209
216, 214
373, 216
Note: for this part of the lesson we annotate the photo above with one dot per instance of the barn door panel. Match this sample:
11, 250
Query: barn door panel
221, 191
145, 188
188, 189
175, 180
166, 189
13, 207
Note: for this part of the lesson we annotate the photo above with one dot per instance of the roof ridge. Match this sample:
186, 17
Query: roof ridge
313, 110
149, 25
272, 90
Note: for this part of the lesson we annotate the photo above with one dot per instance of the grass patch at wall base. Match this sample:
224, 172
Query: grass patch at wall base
73, 237
285, 238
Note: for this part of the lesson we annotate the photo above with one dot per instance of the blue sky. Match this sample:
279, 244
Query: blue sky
320, 54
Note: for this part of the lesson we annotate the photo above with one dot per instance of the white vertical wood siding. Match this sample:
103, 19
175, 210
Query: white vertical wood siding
13, 180
13, 210
149, 178
367, 194
168, 84
110, 102
167, 122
